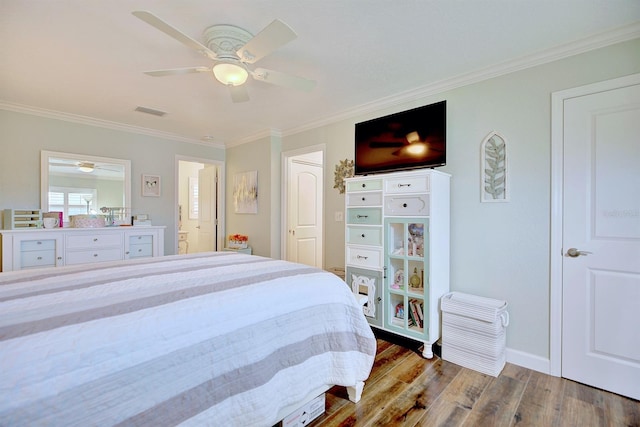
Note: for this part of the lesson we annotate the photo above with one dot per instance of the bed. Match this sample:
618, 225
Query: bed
218, 338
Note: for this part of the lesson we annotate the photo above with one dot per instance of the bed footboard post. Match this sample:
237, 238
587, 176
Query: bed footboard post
355, 392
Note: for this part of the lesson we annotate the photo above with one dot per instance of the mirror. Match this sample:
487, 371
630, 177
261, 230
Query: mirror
80, 184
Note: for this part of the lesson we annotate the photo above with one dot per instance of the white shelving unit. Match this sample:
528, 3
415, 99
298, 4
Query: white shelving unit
397, 254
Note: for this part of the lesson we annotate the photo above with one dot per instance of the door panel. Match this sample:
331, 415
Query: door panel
207, 204
601, 208
305, 214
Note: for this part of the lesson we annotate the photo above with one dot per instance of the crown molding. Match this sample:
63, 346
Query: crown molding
90, 121
267, 133
618, 35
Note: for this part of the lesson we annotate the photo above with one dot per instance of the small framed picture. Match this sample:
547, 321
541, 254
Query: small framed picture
150, 185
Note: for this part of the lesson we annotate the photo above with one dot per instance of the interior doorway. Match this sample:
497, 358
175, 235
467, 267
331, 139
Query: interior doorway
596, 236
303, 206
199, 205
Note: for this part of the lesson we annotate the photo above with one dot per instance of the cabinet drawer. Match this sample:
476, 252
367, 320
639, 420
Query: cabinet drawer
406, 205
365, 199
140, 250
407, 184
364, 236
364, 257
44, 258
87, 256
146, 238
364, 185
370, 216
93, 241
37, 245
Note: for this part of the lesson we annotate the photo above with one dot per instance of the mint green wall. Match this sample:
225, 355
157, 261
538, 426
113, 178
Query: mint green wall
498, 250
24, 136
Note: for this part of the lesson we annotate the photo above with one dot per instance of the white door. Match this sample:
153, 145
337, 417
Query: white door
304, 240
207, 209
601, 240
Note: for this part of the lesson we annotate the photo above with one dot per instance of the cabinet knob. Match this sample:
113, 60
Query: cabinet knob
95, 239
362, 236
404, 205
39, 258
364, 198
95, 255
364, 185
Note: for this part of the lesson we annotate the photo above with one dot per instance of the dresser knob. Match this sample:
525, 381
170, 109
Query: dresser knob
95, 255
95, 239
404, 205
362, 236
364, 185
363, 199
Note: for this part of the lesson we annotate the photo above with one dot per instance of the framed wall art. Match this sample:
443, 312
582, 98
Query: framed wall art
494, 172
245, 192
150, 185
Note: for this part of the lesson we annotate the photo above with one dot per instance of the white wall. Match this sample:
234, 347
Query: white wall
24, 136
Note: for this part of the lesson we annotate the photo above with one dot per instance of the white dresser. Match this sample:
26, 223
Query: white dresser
55, 247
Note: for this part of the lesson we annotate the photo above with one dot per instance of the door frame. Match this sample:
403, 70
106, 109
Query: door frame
220, 228
284, 192
557, 177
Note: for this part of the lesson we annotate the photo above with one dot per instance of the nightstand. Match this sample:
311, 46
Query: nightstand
246, 250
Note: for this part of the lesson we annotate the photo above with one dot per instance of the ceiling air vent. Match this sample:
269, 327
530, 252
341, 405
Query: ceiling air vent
151, 111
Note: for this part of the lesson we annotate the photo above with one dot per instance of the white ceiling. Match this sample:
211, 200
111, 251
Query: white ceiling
85, 58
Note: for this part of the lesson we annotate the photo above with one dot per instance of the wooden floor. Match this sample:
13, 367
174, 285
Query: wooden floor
406, 390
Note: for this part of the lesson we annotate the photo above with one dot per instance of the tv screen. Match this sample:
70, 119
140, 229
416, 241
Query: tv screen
410, 139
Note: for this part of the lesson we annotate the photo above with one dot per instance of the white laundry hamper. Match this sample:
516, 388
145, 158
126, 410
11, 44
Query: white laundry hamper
474, 332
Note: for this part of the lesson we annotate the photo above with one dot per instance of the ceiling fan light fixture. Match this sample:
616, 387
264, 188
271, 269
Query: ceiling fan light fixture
416, 149
230, 74
85, 167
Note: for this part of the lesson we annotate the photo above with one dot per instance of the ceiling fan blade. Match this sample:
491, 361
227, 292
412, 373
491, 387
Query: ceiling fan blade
177, 71
239, 93
266, 41
282, 79
158, 23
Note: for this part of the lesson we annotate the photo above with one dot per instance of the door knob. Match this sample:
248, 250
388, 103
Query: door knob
574, 253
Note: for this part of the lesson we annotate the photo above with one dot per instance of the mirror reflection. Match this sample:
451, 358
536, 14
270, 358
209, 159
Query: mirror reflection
80, 184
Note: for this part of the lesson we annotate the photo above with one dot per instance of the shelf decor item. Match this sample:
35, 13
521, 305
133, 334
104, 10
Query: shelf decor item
344, 169
237, 241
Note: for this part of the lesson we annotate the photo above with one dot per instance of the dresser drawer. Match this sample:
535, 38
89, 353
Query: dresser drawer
370, 216
364, 199
143, 238
88, 256
407, 184
364, 236
93, 241
364, 257
364, 185
38, 245
140, 250
406, 205
44, 258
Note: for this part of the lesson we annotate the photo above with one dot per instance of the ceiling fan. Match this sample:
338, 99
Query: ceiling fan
233, 50
86, 167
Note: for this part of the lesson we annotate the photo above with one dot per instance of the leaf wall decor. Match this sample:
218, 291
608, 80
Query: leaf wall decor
494, 172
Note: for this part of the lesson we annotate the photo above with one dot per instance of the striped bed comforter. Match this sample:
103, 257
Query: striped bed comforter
203, 339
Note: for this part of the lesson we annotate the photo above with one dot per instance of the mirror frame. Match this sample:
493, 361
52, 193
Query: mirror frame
44, 173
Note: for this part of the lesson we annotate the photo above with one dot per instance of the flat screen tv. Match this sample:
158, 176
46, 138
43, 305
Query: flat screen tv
410, 139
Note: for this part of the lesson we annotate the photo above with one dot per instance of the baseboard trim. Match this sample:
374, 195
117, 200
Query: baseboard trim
528, 360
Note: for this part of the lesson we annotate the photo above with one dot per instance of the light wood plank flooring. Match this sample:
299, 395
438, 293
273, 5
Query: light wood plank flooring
406, 390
